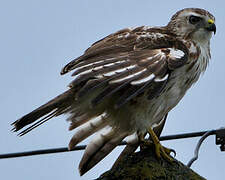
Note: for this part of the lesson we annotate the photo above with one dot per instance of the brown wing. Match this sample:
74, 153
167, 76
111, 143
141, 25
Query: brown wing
128, 61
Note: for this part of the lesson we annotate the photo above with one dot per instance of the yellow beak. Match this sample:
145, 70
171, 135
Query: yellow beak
211, 26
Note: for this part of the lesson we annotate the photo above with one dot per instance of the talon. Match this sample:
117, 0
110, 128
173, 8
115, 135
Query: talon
159, 149
163, 152
169, 151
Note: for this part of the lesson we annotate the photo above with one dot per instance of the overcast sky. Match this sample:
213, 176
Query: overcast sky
37, 38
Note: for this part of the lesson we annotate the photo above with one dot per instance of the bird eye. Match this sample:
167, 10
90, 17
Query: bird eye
194, 19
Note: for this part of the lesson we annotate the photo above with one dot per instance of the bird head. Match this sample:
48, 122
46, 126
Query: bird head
193, 23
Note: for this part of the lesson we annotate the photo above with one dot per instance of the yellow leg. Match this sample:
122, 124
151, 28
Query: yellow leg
159, 149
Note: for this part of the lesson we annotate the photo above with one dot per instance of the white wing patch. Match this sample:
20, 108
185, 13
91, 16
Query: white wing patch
90, 64
106, 64
157, 79
176, 53
85, 72
111, 73
127, 77
97, 68
140, 81
152, 57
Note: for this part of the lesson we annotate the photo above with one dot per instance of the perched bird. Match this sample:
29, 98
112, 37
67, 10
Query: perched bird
125, 84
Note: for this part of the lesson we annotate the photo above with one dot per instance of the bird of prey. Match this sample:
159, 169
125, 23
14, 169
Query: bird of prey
125, 84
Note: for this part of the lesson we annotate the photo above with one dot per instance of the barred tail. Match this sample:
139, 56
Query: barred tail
55, 107
100, 147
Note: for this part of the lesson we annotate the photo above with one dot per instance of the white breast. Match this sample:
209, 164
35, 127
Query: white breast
179, 82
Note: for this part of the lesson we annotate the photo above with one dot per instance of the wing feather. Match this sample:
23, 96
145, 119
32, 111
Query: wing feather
98, 62
127, 62
108, 91
130, 93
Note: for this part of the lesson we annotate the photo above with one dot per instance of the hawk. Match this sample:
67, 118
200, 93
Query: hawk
125, 84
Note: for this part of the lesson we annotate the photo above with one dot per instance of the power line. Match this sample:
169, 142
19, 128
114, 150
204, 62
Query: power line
220, 140
207, 134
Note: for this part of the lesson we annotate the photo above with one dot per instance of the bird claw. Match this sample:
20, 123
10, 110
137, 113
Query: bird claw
161, 151
164, 152
169, 151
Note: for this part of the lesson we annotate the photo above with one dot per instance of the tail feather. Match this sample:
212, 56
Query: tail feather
133, 142
131, 147
78, 121
80, 117
86, 130
38, 123
100, 147
55, 107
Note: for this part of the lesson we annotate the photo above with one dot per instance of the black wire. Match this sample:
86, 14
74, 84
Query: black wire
81, 147
207, 134
185, 135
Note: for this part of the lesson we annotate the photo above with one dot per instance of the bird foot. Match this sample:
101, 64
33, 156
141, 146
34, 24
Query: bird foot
164, 152
161, 151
